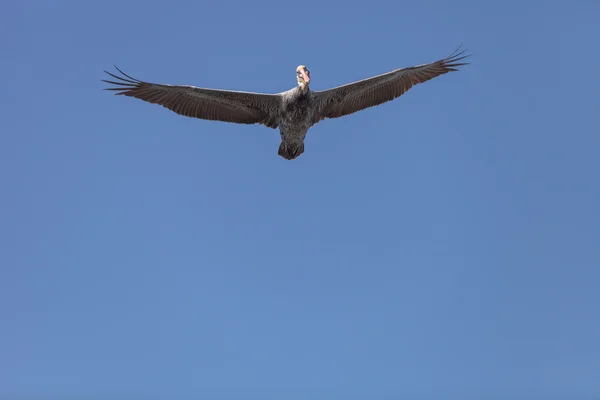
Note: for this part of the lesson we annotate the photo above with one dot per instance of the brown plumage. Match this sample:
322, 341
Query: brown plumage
293, 111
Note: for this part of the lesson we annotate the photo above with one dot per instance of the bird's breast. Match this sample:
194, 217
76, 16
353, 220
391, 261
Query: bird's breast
297, 109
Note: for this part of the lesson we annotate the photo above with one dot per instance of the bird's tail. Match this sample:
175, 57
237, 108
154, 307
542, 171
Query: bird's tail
290, 151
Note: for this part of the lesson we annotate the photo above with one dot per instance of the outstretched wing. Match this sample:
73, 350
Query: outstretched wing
353, 97
209, 104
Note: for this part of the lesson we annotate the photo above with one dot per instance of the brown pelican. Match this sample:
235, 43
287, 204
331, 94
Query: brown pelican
293, 111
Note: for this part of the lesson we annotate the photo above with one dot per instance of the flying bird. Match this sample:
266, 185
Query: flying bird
294, 111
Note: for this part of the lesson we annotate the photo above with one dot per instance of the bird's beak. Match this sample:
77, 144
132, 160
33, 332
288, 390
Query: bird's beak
305, 76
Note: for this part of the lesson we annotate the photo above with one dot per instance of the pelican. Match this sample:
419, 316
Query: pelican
294, 111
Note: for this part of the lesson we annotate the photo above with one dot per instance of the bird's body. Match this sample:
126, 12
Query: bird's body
294, 111
295, 119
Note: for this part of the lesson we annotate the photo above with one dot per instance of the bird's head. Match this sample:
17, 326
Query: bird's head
302, 75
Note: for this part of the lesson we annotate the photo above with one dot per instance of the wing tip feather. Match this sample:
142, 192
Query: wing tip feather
124, 83
452, 61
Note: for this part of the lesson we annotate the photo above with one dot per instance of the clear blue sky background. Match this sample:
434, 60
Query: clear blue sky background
442, 246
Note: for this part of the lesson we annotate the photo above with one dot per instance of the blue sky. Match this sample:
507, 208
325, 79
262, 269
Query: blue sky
442, 246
